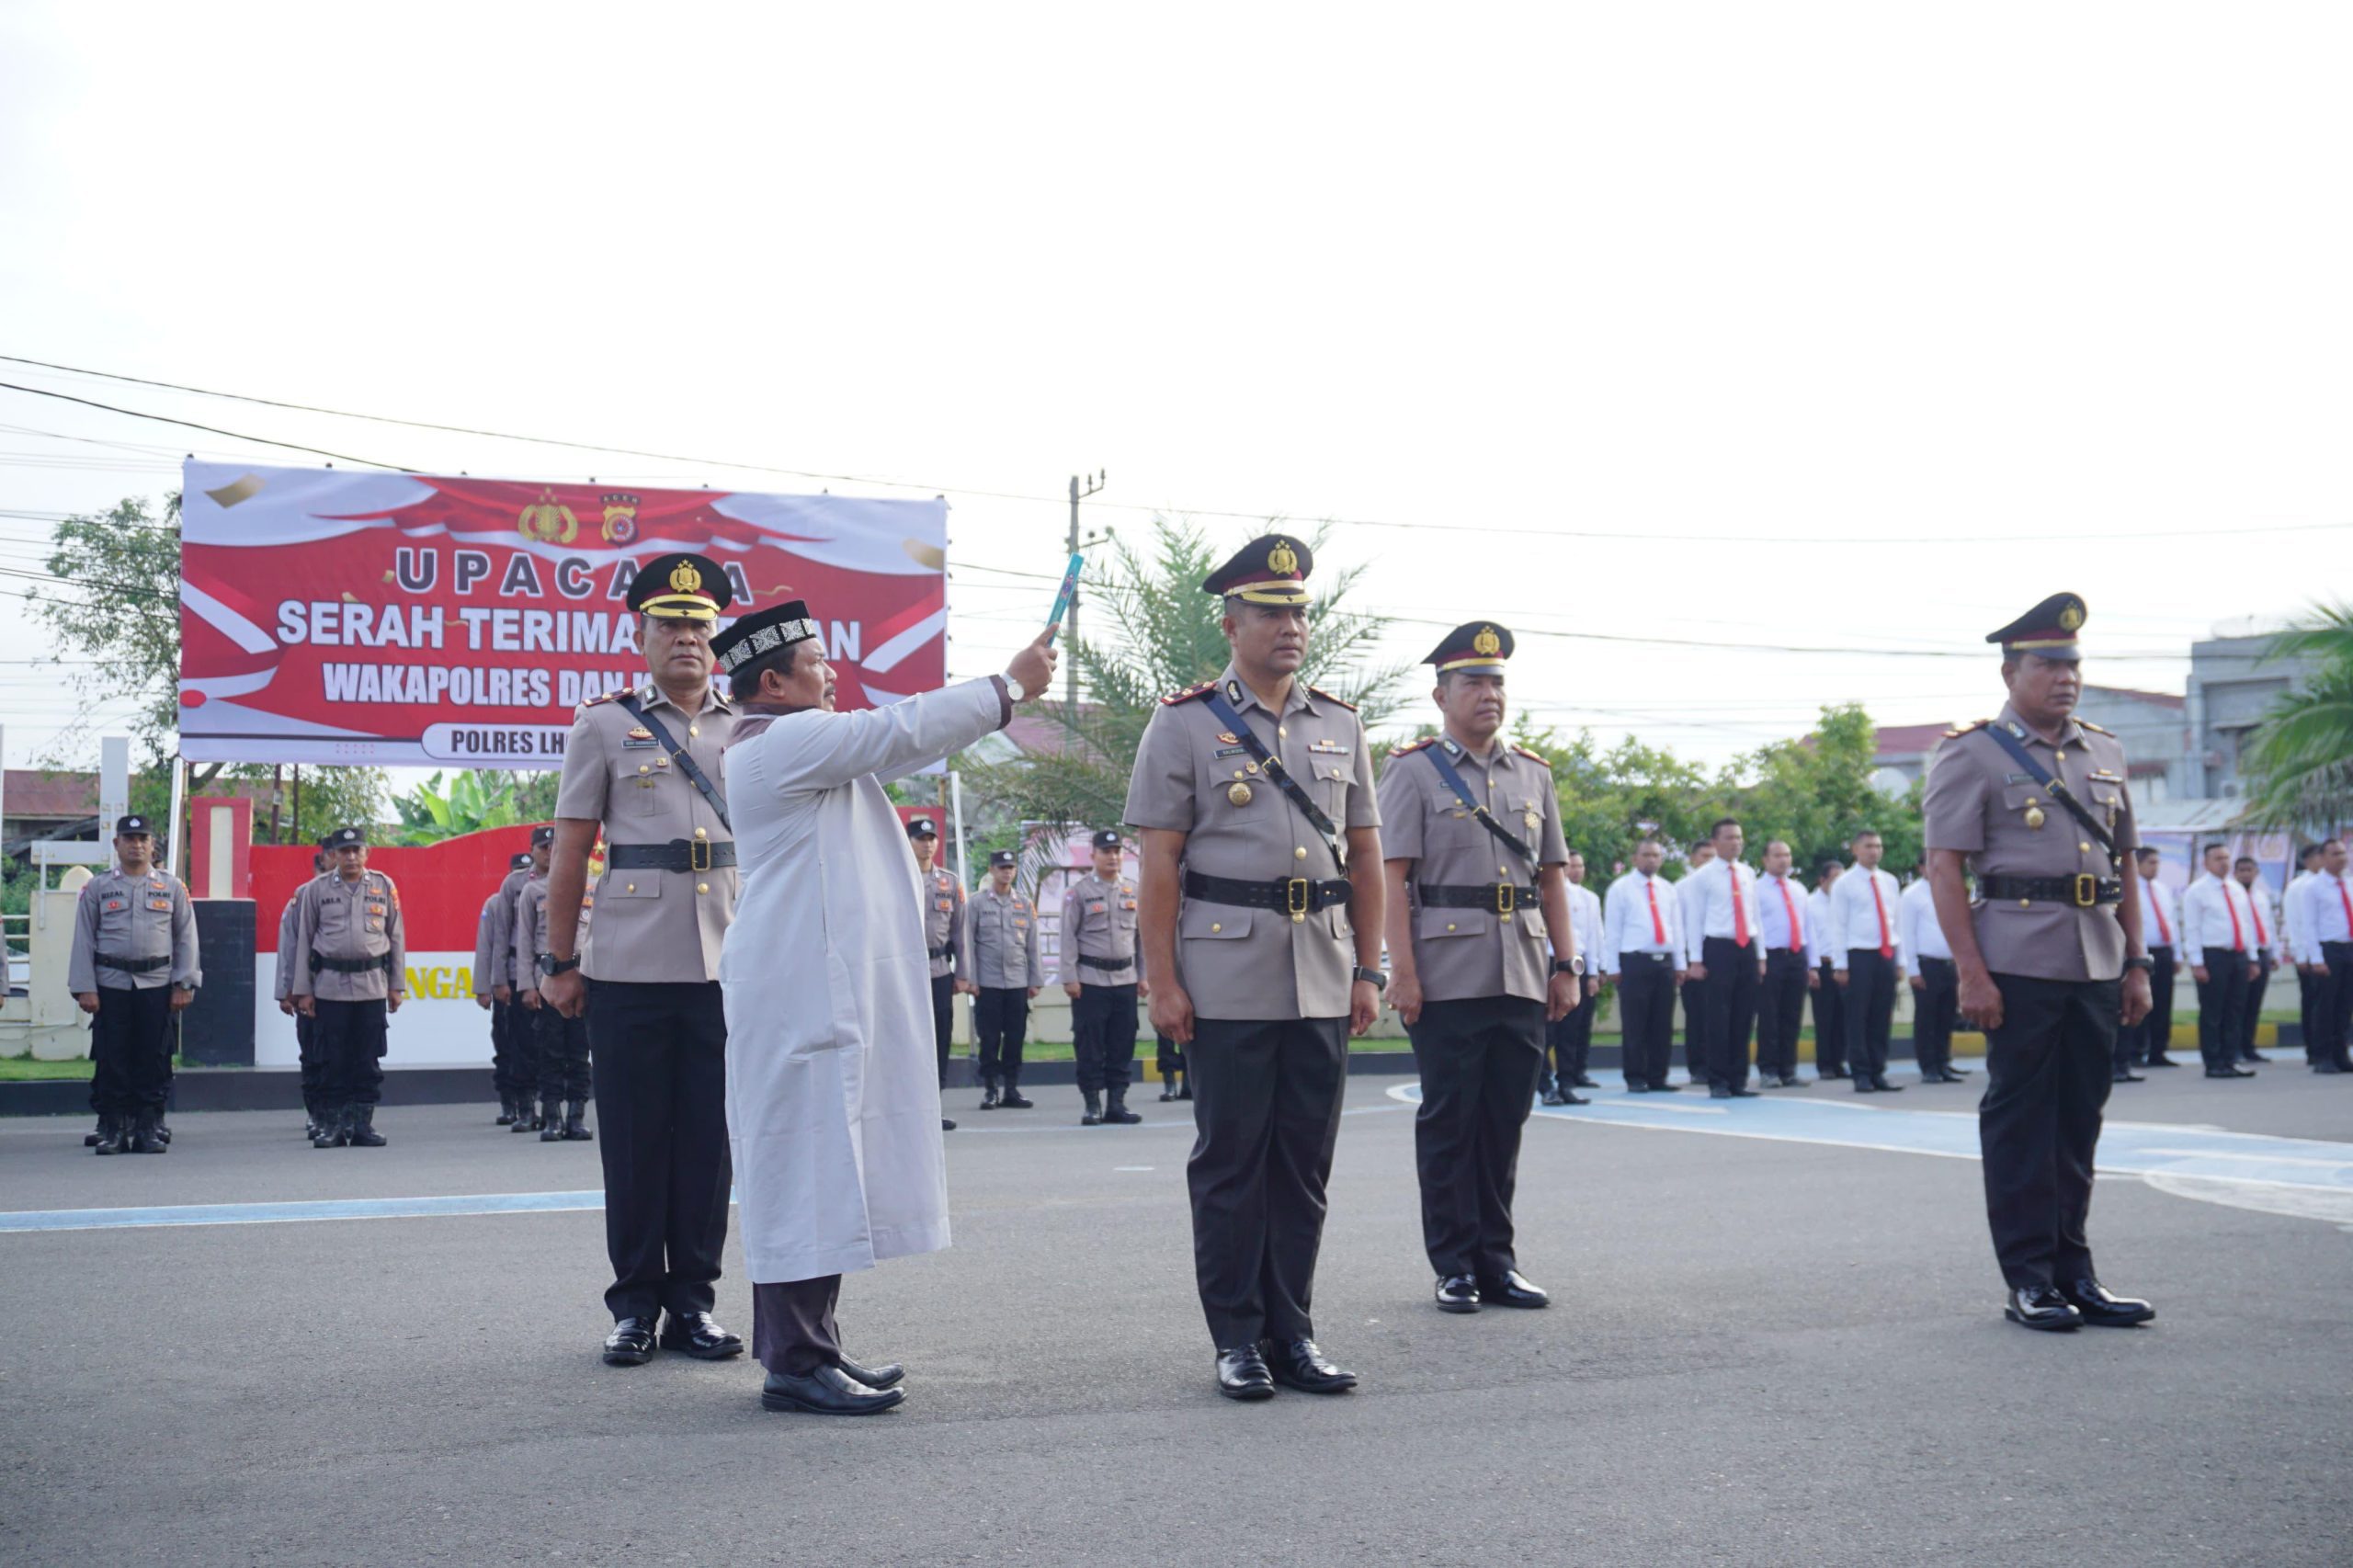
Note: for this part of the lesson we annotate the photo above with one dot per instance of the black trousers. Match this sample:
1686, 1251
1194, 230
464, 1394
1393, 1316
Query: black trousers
1829, 1022
130, 1051
1103, 1029
1000, 1024
1168, 1055
793, 1324
2146, 1040
2221, 1005
1934, 1007
1781, 1013
1267, 1102
2251, 1013
312, 1065
2333, 1007
943, 1019
1870, 1011
513, 1051
1728, 997
2047, 1074
562, 1073
2309, 987
1646, 1013
1570, 1039
660, 1090
351, 1052
1478, 1061
1695, 1031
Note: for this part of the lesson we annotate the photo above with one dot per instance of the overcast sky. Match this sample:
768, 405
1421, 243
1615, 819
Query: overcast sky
1859, 327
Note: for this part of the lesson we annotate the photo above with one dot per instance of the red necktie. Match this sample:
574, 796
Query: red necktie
2256, 910
1739, 913
1658, 931
2347, 903
1886, 948
2238, 936
2163, 931
1792, 909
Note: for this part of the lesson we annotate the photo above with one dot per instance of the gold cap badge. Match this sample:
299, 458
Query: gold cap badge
1282, 558
685, 578
1487, 643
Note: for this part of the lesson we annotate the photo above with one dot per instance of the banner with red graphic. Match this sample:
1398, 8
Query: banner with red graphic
408, 619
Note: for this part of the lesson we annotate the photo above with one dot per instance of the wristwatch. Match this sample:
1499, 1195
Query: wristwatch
1014, 690
2143, 962
551, 964
1371, 977
1569, 966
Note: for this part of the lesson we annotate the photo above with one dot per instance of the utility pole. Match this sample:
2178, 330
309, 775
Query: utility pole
1070, 620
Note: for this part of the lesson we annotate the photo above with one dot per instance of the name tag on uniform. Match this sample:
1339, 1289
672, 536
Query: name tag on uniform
1331, 749
2020, 778
1224, 752
638, 738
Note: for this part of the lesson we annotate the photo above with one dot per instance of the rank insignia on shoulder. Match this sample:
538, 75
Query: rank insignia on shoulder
1341, 701
2095, 728
606, 697
1974, 724
1410, 747
1189, 694
1540, 761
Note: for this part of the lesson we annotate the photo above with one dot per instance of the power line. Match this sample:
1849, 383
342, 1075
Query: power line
209, 429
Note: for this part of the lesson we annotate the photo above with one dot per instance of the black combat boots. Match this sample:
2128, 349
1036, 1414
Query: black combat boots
1094, 1117
360, 1129
575, 1130
1115, 1108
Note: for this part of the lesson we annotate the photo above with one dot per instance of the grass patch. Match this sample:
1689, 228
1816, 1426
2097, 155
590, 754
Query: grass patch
25, 1069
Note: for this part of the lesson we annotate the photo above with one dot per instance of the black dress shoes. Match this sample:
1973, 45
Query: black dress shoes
828, 1390
630, 1343
946, 1125
1297, 1364
1581, 1082
1666, 1088
1565, 1097
2256, 1056
1831, 1073
1791, 1081
2126, 1075
1242, 1374
1636, 1086
1718, 1092
1458, 1293
2102, 1309
2042, 1307
1884, 1087
1865, 1086
2228, 1072
882, 1377
2326, 1067
699, 1336
1743, 1092
1514, 1289
2158, 1062
1014, 1099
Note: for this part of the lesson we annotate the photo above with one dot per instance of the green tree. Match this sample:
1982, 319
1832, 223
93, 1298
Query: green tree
1611, 800
1161, 634
1817, 793
2299, 761
474, 800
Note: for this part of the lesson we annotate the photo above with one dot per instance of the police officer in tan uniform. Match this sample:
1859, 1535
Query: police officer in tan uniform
1485, 954
350, 974
514, 1064
561, 1071
2049, 955
133, 965
1001, 936
642, 764
1100, 977
943, 939
1261, 918
306, 1028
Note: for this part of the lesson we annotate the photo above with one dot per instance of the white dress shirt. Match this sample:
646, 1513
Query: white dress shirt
1855, 918
2155, 896
1817, 926
1778, 932
1584, 919
2214, 914
2267, 919
1707, 898
2321, 916
1917, 935
1626, 920
2292, 917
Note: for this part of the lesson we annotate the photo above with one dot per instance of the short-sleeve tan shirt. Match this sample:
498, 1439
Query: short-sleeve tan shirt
1464, 953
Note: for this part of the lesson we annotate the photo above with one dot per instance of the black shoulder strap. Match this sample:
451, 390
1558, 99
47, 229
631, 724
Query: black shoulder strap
679, 754
2057, 788
1280, 776
1453, 776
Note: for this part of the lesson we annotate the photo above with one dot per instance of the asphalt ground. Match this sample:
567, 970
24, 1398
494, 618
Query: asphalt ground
1759, 1351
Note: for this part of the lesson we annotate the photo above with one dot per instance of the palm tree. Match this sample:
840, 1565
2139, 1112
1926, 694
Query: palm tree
2299, 761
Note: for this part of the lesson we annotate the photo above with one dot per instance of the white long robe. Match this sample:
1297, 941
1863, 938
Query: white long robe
833, 1089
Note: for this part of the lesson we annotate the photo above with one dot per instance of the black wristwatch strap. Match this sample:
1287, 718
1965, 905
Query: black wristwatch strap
1371, 977
1569, 966
551, 964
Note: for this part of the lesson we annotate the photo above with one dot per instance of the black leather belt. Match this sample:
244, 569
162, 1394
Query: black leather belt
350, 966
678, 855
2084, 892
132, 966
1497, 898
1089, 961
940, 952
1296, 896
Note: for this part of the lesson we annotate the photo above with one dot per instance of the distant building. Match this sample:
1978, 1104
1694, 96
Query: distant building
2233, 685
40, 803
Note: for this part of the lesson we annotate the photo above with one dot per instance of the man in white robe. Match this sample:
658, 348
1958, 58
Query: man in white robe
832, 1101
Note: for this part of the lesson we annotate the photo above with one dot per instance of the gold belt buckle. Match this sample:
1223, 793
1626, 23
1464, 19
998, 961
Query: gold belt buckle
2086, 890
699, 855
1504, 895
1295, 897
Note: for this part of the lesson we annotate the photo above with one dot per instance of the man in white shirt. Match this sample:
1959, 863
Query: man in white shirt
2269, 950
1926, 962
1570, 1042
1694, 1007
1789, 968
1829, 998
2324, 927
2218, 927
2143, 1044
2292, 917
1862, 932
1642, 944
1725, 953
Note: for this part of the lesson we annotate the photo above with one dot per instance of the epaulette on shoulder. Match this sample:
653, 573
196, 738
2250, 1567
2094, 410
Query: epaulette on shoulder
1319, 691
389, 886
613, 696
2095, 728
1410, 747
1189, 694
1975, 724
1541, 762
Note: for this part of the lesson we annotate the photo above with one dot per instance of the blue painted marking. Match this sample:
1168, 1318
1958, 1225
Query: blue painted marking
2126, 1148
284, 1214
